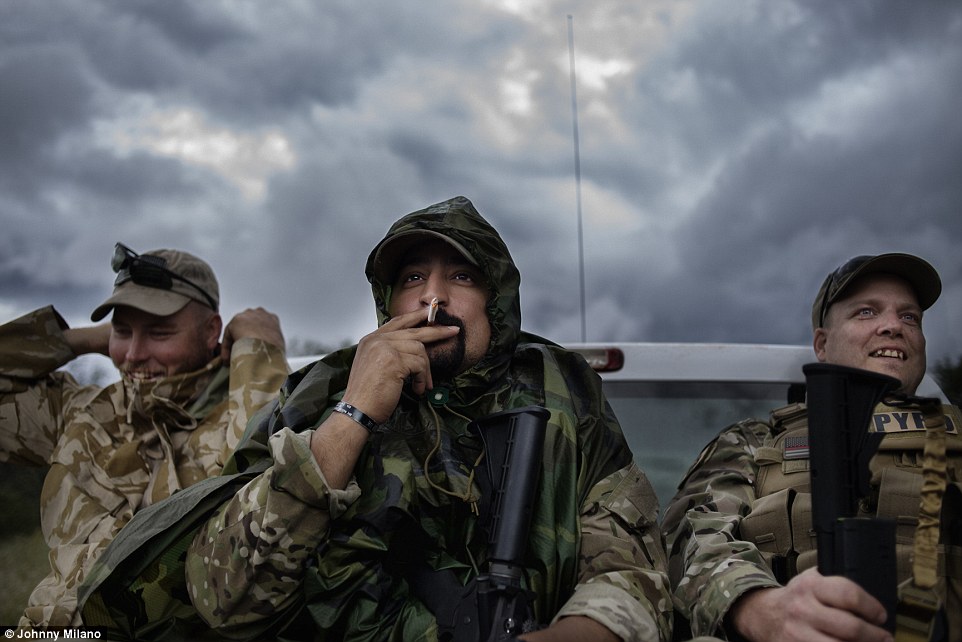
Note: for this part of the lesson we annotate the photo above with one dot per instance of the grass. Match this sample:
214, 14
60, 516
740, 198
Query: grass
23, 563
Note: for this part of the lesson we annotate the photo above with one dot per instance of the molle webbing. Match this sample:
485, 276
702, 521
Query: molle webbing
783, 466
789, 417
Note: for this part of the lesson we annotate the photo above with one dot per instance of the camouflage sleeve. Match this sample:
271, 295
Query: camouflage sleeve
32, 395
710, 567
248, 561
257, 371
622, 577
77, 524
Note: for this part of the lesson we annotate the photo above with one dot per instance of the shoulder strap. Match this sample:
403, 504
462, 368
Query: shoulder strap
918, 600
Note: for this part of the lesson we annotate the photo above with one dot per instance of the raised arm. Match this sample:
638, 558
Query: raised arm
252, 323
94, 339
258, 367
32, 393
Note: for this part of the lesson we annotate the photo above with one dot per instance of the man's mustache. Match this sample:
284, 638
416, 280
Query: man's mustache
443, 318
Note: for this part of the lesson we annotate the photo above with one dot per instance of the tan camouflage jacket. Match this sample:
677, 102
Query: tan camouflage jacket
114, 450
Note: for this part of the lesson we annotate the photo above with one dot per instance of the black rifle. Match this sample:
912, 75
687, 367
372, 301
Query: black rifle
495, 606
841, 401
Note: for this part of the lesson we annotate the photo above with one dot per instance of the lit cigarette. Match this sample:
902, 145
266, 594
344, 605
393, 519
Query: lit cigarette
432, 310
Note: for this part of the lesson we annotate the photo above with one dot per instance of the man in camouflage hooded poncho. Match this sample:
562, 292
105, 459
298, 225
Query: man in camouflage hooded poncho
174, 418
315, 547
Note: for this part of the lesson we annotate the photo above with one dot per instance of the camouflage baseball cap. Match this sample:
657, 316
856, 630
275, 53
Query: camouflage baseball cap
160, 282
921, 276
387, 256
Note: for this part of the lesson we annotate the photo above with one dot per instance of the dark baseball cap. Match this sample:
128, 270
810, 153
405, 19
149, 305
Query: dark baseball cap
392, 250
159, 282
921, 276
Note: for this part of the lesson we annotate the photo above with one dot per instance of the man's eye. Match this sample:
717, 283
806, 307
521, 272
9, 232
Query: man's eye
866, 312
467, 276
911, 317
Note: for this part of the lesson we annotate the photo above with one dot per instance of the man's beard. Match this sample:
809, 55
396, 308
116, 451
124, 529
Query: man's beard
446, 361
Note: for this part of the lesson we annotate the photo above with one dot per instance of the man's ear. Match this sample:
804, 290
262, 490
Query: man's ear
818, 343
213, 328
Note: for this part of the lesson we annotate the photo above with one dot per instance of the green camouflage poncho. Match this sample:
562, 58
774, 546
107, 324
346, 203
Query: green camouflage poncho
289, 556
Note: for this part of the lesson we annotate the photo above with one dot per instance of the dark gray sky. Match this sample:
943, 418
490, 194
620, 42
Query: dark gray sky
732, 153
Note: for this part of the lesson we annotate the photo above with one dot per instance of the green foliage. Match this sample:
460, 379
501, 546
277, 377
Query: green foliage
948, 374
20, 497
23, 563
23, 553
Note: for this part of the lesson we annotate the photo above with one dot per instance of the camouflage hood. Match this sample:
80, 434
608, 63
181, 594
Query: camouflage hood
459, 223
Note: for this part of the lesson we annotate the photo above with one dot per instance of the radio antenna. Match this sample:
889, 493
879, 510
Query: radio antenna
574, 120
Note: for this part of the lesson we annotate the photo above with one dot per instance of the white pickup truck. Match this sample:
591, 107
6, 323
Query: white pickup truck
673, 398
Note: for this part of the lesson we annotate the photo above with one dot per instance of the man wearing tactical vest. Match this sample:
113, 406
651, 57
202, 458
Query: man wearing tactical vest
742, 549
374, 509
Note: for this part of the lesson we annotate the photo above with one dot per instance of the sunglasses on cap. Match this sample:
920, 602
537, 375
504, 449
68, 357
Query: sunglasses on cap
149, 271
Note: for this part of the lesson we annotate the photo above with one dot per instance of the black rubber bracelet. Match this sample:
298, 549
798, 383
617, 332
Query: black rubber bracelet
347, 409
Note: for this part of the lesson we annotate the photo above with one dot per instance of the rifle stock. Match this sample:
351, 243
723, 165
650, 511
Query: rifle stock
495, 606
841, 401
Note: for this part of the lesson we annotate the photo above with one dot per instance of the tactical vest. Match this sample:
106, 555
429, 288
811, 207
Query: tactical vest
780, 522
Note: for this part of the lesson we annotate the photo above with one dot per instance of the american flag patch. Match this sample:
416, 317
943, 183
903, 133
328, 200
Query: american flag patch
796, 448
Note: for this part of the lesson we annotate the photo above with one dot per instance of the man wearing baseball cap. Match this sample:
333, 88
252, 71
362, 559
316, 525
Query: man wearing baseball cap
181, 404
739, 530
